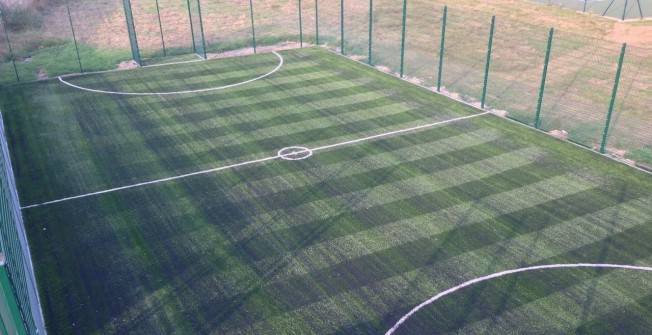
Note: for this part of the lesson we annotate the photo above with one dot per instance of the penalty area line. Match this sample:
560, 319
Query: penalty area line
280, 64
294, 151
508, 272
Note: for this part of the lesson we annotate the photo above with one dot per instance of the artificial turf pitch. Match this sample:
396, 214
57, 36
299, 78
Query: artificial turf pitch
345, 241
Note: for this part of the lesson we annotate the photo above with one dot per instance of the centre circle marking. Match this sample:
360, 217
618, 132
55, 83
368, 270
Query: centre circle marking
294, 153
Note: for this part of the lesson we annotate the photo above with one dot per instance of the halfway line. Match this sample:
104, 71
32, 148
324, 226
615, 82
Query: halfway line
151, 182
398, 131
278, 155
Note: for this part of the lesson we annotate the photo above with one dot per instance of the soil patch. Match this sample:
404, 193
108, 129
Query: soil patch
259, 49
127, 65
638, 35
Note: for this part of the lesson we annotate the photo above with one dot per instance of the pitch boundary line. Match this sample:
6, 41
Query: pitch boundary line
280, 154
280, 64
508, 272
172, 63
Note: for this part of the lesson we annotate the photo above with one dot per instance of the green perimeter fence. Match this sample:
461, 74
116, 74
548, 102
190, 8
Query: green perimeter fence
555, 81
20, 311
591, 92
617, 9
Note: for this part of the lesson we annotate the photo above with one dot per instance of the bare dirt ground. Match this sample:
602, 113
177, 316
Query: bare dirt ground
632, 33
249, 51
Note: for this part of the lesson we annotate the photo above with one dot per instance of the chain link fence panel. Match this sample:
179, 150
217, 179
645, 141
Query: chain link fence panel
329, 16
617, 9
578, 88
276, 24
515, 71
386, 35
422, 42
465, 52
630, 134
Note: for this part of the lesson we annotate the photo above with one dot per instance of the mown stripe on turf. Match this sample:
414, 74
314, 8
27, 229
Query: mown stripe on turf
404, 289
257, 88
417, 153
181, 155
303, 119
284, 261
157, 147
166, 116
329, 186
126, 79
427, 238
301, 258
155, 120
219, 204
634, 316
184, 71
557, 310
173, 83
301, 132
386, 193
628, 246
439, 158
345, 223
230, 147
470, 218
205, 187
272, 84
410, 254
220, 106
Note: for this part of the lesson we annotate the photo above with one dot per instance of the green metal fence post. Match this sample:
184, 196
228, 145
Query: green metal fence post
606, 10
131, 30
300, 27
624, 11
192, 29
11, 52
74, 38
371, 18
342, 27
253, 29
613, 98
486, 67
543, 79
441, 48
201, 30
403, 38
317, 21
160, 27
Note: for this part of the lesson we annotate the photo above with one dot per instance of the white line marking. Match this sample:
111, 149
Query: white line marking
173, 63
152, 182
398, 132
294, 152
279, 154
280, 64
503, 273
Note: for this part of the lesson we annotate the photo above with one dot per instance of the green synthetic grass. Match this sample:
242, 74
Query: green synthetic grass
346, 241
